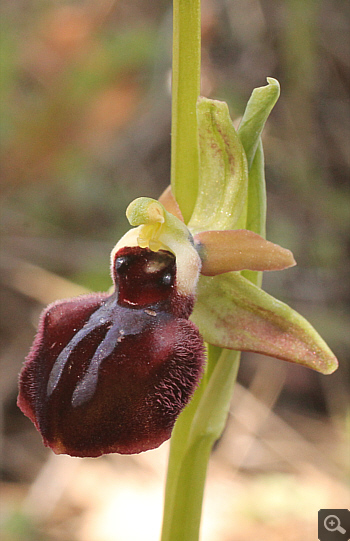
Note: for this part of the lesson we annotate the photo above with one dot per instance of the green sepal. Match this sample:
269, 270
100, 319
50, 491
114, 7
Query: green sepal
223, 178
256, 205
259, 106
252, 124
233, 313
256, 208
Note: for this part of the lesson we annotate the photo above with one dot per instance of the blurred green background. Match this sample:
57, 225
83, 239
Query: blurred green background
85, 128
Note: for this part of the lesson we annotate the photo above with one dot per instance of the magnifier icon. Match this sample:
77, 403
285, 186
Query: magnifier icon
332, 524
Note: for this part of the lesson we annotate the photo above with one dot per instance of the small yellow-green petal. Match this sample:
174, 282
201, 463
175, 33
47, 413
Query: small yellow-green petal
145, 210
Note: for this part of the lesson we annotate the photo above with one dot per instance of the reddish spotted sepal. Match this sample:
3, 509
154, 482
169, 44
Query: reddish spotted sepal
112, 373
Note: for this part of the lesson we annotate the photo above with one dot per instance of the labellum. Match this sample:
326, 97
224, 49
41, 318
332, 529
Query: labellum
112, 373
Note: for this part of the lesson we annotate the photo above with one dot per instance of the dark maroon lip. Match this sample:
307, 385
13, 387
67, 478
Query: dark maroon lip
112, 373
115, 322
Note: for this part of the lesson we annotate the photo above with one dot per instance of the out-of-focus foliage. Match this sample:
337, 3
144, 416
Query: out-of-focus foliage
85, 128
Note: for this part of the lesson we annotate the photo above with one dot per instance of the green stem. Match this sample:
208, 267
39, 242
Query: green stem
185, 93
203, 422
178, 445
184, 182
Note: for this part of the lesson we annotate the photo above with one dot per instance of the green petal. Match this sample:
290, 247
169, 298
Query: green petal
258, 109
256, 205
232, 313
223, 178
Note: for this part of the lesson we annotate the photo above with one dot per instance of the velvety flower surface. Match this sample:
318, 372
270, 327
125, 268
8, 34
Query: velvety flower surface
112, 373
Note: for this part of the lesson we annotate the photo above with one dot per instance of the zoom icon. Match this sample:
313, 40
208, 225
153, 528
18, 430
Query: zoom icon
334, 525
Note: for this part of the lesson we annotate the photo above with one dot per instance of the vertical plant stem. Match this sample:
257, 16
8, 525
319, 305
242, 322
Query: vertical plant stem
185, 92
186, 67
178, 445
203, 421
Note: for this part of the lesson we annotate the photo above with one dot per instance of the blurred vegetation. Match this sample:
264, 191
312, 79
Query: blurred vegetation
85, 128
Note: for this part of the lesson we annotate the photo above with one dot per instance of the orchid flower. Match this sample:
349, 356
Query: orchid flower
111, 372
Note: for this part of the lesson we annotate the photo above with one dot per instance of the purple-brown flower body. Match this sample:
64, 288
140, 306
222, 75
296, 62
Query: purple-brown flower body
112, 373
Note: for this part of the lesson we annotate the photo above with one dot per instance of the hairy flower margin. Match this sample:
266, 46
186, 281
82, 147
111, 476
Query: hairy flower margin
112, 372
